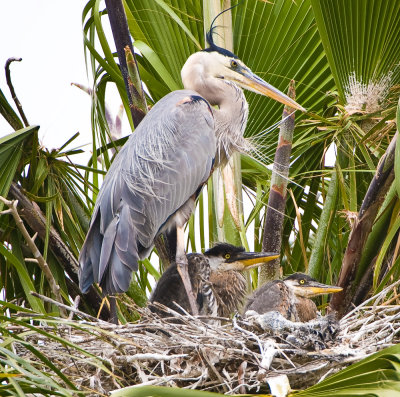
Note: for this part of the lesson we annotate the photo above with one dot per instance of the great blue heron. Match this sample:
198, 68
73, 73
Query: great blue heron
215, 276
152, 185
290, 297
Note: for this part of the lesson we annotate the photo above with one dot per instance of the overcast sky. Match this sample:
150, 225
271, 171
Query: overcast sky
47, 35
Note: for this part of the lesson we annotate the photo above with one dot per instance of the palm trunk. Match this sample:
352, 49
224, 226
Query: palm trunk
273, 226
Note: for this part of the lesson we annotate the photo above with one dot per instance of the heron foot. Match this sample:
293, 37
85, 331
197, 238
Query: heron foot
182, 267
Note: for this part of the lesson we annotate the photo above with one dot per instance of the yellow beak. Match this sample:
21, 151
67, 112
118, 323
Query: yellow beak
250, 81
250, 260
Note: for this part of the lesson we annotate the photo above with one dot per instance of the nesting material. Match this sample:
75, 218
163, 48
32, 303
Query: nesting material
233, 358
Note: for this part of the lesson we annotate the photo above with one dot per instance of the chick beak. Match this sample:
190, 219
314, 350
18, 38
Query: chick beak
315, 289
249, 260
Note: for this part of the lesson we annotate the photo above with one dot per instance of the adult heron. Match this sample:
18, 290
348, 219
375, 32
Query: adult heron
216, 279
290, 297
152, 185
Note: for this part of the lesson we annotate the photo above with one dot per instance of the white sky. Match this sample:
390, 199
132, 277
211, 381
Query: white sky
47, 35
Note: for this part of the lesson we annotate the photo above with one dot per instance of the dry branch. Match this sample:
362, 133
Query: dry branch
12, 90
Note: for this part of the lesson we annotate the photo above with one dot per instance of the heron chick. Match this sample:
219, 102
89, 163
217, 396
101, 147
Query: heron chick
290, 297
154, 181
216, 278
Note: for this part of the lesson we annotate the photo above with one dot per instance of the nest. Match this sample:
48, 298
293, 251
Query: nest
235, 357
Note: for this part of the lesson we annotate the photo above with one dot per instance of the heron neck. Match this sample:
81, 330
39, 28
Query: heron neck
230, 122
230, 114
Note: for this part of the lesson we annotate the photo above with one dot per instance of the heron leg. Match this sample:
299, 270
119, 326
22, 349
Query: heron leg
113, 310
182, 267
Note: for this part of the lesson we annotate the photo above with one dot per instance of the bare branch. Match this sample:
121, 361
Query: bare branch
13, 94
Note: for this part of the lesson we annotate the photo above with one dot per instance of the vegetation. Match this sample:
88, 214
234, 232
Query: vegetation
341, 221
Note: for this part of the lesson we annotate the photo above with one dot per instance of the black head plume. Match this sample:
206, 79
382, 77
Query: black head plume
210, 41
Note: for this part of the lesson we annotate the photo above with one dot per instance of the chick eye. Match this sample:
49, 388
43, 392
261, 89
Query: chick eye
302, 281
233, 63
227, 256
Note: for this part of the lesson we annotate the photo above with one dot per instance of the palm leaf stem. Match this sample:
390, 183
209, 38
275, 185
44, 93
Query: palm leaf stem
325, 222
378, 188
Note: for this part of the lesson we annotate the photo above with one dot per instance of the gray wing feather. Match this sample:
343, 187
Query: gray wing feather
268, 297
157, 171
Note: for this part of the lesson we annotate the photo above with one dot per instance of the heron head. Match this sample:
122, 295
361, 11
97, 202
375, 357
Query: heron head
306, 287
219, 63
224, 257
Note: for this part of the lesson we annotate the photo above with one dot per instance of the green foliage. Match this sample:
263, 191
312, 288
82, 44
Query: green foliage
377, 375
11, 149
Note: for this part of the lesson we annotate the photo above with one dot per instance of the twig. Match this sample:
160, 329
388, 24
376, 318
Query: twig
13, 94
65, 307
12, 205
150, 356
76, 304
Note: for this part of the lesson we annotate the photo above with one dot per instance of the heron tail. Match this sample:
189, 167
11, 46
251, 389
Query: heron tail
111, 258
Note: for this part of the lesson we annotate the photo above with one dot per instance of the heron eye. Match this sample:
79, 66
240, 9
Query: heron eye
302, 281
227, 256
233, 63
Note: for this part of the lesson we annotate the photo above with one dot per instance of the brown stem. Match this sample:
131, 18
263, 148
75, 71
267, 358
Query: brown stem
138, 104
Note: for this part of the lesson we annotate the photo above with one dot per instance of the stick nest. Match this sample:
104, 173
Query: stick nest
235, 357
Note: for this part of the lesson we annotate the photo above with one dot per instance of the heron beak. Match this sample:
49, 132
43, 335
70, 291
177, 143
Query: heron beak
249, 260
315, 289
252, 82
